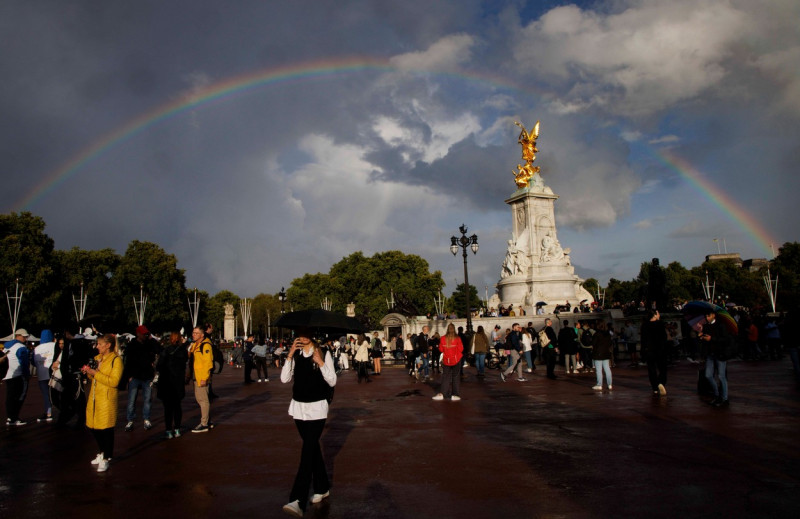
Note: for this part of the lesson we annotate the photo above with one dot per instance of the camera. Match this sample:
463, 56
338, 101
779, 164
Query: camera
92, 363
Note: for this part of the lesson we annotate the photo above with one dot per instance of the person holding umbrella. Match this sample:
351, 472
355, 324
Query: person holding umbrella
314, 377
719, 346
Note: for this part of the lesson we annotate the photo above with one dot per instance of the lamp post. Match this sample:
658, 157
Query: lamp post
282, 299
465, 242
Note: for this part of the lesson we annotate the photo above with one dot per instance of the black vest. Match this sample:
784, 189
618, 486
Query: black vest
309, 384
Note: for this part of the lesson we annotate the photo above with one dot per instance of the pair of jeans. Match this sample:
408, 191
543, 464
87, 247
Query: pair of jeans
480, 362
426, 363
134, 386
720, 367
529, 360
601, 366
312, 465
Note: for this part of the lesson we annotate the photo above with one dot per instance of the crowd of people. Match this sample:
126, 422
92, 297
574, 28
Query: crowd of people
80, 376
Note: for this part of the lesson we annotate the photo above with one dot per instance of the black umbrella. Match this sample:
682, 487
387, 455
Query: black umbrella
319, 320
541, 303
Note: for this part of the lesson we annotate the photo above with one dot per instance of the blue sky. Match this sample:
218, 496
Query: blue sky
255, 189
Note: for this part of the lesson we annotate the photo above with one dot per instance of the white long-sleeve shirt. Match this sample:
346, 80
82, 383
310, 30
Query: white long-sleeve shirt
309, 410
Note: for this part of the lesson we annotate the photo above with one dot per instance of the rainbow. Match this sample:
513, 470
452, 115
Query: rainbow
762, 238
228, 88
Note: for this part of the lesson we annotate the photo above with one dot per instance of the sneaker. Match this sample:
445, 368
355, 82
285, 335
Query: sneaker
97, 459
502, 376
455, 398
45, 418
610, 388
147, 425
259, 380
176, 433
102, 465
266, 380
529, 370
129, 427
522, 379
438, 397
317, 498
597, 388
170, 435
19, 422
200, 429
721, 403
293, 508
662, 390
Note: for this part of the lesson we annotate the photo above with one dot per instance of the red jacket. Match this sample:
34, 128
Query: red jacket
451, 353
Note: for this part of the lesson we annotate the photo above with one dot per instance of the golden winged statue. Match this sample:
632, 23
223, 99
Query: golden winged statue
527, 139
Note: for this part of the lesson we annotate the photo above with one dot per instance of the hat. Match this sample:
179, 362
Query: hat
22, 331
142, 329
496, 326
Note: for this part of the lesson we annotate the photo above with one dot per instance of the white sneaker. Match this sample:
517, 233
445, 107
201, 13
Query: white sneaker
317, 498
610, 388
455, 398
438, 397
259, 380
97, 459
597, 388
102, 466
293, 508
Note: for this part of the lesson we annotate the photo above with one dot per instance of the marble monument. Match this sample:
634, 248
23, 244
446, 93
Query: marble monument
536, 267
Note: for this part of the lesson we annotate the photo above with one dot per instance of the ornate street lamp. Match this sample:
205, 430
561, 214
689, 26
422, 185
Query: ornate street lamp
282, 299
465, 242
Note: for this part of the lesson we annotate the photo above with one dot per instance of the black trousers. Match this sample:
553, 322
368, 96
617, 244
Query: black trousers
657, 368
248, 370
173, 414
261, 365
105, 440
312, 465
16, 390
550, 355
73, 401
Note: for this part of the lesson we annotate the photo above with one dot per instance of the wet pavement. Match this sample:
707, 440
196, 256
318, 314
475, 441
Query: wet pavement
539, 448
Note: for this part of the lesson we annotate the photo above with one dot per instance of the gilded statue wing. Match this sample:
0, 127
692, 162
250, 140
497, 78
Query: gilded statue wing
535, 132
524, 135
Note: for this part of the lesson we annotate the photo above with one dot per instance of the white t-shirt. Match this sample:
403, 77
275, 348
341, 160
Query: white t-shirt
43, 358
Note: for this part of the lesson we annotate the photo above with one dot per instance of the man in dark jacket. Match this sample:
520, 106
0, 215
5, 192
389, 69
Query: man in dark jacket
568, 344
550, 352
140, 361
422, 353
247, 357
718, 344
514, 344
75, 355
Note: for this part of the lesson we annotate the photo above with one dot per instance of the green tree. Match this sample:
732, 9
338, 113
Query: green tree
591, 285
368, 283
458, 300
95, 270
27, 256
148, 266
786, 266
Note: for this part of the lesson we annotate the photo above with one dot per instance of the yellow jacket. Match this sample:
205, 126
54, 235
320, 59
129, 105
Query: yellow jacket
101, 406
203, 359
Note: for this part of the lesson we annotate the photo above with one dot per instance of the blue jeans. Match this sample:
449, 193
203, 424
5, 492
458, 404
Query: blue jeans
480, 362
601, 366
529, 359
426, 363
133, 390
720, 366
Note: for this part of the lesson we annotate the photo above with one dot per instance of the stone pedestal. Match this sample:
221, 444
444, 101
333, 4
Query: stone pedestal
536, 268
228, 324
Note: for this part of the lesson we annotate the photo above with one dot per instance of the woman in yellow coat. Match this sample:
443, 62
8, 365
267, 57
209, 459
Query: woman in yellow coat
101, 406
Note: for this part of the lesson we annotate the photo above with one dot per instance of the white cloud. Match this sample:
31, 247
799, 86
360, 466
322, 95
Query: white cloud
446, 54
665, 139
640, 59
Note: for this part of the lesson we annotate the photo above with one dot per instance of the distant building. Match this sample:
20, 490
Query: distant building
753, 265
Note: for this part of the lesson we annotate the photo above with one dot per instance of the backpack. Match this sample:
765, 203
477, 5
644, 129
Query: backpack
219, 359
544, 340
586, 338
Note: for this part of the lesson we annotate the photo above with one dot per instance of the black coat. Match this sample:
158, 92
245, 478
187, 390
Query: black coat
171, 372
568, 341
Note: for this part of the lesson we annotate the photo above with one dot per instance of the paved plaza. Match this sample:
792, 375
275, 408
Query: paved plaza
541, 448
